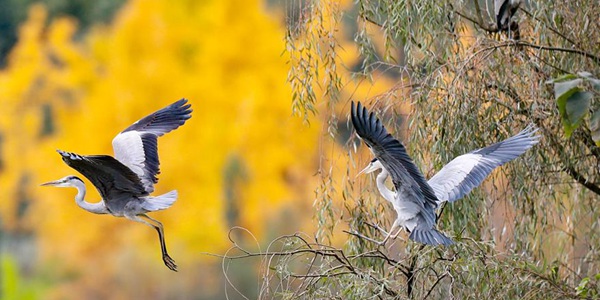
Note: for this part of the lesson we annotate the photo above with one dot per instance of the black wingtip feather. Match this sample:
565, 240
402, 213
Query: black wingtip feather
164, 120
374, 134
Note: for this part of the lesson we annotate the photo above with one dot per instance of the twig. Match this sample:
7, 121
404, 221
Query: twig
434, 284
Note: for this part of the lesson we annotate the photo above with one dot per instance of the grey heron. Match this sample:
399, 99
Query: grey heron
126, 181
505, 10
415, 199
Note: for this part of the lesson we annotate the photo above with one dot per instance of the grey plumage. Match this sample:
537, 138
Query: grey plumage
430, 237
452, 182
465, 172
126, 181
415, 201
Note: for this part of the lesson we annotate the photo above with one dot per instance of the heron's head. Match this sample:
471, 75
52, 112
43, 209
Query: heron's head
374, 165
68, 181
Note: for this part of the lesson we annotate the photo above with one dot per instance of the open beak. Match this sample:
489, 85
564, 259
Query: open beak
50, 183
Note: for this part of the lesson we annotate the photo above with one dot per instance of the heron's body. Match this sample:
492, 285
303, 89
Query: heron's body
126, 181
415, 199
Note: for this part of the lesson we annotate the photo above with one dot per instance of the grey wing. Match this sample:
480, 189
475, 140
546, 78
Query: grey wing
110, 177
393, 156
136, 146
462, 174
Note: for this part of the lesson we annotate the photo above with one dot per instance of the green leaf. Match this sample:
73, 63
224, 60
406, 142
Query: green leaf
563, 92
566, 88
577, 105
595, 127
593, 80
581, 288
562, 78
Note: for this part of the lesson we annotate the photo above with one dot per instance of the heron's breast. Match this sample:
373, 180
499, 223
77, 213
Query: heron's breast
406, 210
119, 207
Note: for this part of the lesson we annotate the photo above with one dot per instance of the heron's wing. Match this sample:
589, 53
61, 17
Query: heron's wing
136, 146
462, 174
393, 156
110, 177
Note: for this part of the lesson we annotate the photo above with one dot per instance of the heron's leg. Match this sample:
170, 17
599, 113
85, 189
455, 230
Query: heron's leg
169, 262
394, 226
377, 227
397, 233
364, 237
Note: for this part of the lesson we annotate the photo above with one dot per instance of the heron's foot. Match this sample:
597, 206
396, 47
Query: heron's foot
169, 262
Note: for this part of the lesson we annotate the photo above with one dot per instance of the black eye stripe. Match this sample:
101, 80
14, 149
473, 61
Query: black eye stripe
73, 178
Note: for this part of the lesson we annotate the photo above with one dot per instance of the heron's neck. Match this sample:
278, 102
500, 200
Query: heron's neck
96, 208
388, 194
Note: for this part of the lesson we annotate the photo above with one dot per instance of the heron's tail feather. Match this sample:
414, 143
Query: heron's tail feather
161, 202
430, 237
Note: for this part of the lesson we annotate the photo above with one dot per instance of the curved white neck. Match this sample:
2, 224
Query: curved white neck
388, 194
96, 208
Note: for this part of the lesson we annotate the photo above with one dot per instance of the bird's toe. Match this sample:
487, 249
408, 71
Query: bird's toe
170, 263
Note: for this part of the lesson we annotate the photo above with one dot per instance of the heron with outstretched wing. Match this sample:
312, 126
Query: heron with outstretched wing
126, 181
415, 199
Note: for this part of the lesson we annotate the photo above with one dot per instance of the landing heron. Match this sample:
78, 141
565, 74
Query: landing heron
126, 181
415, 199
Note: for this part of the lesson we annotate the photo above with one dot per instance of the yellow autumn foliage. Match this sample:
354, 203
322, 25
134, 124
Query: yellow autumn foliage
225, 57
242, 159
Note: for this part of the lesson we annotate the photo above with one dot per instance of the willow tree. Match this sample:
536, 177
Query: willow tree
459, 84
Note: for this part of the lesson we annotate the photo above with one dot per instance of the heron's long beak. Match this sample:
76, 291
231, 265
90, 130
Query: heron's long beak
366, 170
50, 183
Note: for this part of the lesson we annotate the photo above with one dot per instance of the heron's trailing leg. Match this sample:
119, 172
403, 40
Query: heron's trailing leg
169, 262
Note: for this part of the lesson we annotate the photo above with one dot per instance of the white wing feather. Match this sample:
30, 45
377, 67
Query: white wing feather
129, 150
461, 175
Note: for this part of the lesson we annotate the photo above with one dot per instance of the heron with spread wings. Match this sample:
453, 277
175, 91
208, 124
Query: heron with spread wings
126, 181
415, 199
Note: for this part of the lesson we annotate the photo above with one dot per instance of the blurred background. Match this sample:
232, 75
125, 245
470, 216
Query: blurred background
75, 73
268, 151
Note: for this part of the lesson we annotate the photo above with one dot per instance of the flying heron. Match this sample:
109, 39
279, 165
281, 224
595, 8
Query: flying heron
126, 181
415, 199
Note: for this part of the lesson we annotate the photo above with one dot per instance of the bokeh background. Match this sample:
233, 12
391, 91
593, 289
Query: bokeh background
268, 151
75, 73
